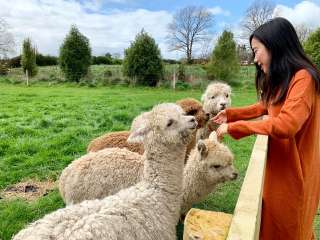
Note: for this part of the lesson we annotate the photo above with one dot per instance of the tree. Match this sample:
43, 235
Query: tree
143, 62
244, 54
28, 58
7, 43
259, 12
224, 64
312, 46
190, 26
303, 32
75, 55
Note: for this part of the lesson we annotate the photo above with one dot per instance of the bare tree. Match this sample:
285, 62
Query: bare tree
190, 26
7, 43
257, 14
303, 31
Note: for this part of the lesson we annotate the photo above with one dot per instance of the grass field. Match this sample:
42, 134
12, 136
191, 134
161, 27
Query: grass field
44, 128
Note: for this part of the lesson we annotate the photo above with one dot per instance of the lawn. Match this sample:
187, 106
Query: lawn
44, 128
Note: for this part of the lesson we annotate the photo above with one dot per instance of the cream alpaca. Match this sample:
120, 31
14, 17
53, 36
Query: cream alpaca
149, 209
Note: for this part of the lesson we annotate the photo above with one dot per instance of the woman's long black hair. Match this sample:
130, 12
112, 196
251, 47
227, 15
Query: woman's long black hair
287, 57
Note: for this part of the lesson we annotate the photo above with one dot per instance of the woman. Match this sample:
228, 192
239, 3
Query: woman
288, 85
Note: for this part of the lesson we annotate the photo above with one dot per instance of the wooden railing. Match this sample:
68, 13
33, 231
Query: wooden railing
245, 222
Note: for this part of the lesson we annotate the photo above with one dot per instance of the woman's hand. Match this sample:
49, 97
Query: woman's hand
222, 130
220, 118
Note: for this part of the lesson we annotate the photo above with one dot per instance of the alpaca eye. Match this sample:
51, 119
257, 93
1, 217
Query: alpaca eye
170, 122
212, 97
227, 95
215, 166
192, 112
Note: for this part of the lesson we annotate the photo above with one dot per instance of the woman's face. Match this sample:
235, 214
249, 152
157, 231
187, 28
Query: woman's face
261, 55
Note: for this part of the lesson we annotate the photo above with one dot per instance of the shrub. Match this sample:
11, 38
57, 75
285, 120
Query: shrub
312, 47
75, 55
4, 67
224, 64
46, 60
182, 85
182, 72
142, 62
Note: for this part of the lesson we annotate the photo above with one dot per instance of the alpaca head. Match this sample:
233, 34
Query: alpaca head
166, 123
216, 160
193, 107
216, 98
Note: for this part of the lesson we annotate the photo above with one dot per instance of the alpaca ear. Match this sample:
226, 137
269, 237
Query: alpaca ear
213, 136
139, 128
203, 97
202, 148
138, 135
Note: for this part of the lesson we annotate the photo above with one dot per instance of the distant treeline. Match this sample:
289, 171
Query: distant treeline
48, 60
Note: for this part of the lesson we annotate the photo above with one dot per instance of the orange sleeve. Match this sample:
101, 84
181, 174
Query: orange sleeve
245, 113
293, 114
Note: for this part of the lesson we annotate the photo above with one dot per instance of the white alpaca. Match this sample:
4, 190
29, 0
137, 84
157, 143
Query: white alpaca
97, 175
149, 209
216, 98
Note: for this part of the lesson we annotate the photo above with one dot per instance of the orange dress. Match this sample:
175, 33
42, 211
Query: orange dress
292, 179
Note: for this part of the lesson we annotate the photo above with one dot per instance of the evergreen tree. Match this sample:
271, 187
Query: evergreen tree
75, 55
143, 62
28, 58
224, 64
312, 47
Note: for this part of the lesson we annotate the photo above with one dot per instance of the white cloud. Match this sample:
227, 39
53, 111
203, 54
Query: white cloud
47, 23
305, 12
218, 10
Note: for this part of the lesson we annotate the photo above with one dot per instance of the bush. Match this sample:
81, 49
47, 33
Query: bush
182, 85
312, 47
182, 72
101, 60
142, 62
224, 64
15, 62
4, 67
75, 55
46, 60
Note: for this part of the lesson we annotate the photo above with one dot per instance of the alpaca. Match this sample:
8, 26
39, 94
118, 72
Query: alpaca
148, 210
217, 97
103, 173
191, 106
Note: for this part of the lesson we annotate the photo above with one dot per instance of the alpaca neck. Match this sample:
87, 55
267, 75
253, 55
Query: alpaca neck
163, 166
194, 181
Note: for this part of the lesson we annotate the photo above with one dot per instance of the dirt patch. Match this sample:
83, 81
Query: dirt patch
29, 190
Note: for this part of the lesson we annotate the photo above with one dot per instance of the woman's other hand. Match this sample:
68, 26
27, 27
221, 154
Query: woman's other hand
220, 118
222, 130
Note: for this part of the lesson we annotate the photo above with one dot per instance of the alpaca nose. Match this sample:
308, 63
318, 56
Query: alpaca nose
192, 119
234, 175
223, 105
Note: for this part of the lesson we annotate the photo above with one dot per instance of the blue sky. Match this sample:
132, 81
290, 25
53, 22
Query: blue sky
111, 25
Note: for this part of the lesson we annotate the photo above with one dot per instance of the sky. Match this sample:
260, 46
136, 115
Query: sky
111, 25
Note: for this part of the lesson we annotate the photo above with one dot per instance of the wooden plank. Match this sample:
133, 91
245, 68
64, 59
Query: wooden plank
206, 225
245, 223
